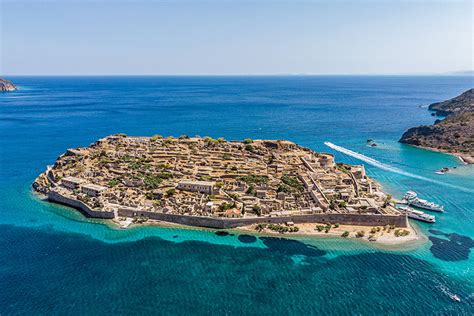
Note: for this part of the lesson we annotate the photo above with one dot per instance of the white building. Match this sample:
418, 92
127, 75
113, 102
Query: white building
197, 186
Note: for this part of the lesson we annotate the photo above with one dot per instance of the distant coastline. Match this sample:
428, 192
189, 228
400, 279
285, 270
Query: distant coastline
454, 134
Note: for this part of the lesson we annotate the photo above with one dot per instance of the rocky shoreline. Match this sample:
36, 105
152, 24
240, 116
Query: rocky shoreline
454, 134
6, 86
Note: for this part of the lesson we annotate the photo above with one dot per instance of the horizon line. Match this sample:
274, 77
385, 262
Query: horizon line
454, 73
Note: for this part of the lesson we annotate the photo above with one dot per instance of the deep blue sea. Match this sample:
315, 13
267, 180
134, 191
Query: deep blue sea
55, 261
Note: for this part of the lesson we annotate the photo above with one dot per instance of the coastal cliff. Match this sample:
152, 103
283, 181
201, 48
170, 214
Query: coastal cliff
6, 85
454, 134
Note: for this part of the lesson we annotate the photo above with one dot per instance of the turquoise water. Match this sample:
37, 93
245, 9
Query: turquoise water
54, 260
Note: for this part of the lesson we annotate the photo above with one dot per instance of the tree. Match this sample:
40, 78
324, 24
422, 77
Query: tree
345, 234
320, 228
257, 209
249, 147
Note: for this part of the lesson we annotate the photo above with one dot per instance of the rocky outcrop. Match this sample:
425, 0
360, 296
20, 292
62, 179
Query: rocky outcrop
454, 134
6, 85
460, 104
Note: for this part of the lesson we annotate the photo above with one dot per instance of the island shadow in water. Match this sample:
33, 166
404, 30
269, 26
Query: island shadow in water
455, 248
292, 247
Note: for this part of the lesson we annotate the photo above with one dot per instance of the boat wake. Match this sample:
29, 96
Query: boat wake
451, 295
386, 167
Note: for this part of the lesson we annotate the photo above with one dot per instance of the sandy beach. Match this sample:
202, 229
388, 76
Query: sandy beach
464, 158
378, 235
373, 234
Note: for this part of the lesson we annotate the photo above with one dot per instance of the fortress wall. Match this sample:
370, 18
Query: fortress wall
222, 223
211, 222
58, 198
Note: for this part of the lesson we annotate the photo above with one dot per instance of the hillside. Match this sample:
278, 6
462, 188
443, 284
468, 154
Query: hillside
454, 134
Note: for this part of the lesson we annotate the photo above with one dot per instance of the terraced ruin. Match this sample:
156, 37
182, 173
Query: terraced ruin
214, 183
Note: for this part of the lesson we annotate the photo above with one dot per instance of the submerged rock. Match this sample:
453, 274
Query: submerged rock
455, 248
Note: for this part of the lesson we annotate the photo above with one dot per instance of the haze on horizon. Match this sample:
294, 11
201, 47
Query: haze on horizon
225, 38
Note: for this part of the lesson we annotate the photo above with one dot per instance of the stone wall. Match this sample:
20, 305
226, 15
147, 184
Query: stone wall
86, 210
221, 223
211, 222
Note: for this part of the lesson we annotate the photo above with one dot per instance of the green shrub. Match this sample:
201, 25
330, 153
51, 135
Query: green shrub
249, 147
320, 228
260, 227
284, 188
113, 182
257, 209
152, 182
249, 179
401, 233
156, 137
293, 182
153, 195
226, 206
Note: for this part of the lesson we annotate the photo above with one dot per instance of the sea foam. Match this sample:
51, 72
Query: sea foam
386, 167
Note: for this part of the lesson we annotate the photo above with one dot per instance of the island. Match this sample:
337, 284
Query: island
215, 183
454, 134
6, 86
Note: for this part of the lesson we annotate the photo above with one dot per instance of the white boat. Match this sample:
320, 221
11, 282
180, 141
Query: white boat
455, 298
410, 195
442, 171
451, 295
418, 215
413, 200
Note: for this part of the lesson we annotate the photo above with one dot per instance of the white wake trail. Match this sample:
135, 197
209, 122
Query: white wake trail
389, 168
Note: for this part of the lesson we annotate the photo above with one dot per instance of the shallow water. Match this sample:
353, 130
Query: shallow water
54, 259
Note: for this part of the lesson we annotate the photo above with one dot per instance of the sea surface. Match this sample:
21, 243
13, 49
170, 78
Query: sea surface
55, 261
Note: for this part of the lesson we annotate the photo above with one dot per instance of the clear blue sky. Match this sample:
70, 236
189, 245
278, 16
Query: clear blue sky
69, 37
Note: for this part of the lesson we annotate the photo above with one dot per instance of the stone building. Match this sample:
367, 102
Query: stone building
71, 182
92, 190
197, 186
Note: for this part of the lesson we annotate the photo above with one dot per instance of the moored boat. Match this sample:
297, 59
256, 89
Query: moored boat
413, 200
418, 215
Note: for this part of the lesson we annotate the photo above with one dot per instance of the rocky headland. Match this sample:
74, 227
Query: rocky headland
454, 134
6, 85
